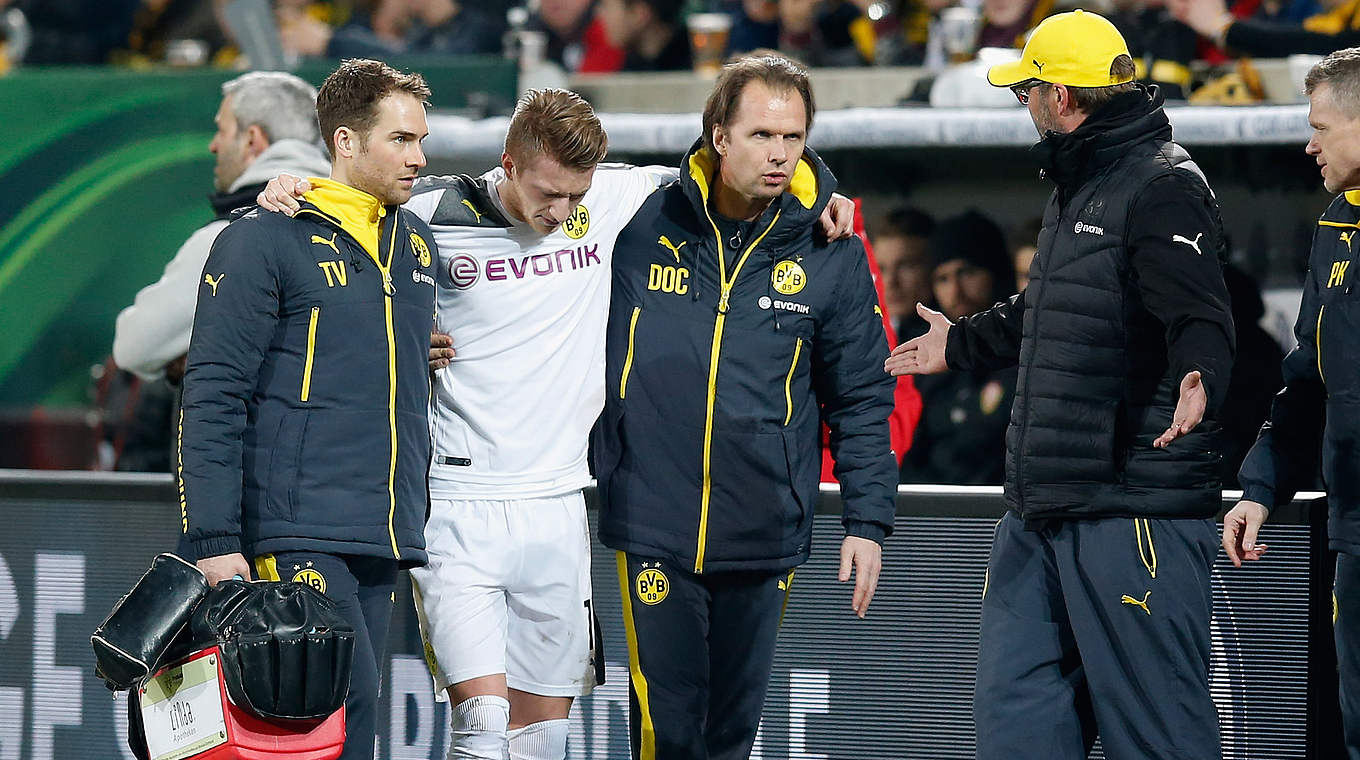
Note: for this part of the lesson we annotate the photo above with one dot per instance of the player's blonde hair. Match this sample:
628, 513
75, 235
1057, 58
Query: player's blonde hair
558, 124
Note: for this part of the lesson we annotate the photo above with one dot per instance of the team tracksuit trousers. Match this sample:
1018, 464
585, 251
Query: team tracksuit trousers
700, 651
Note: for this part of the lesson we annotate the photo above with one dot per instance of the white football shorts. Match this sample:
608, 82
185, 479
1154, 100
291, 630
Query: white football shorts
507, 590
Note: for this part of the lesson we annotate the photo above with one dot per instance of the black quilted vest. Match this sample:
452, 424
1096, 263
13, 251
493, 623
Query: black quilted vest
1094, 386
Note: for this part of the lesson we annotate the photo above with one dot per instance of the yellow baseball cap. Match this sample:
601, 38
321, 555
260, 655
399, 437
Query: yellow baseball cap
1075, 49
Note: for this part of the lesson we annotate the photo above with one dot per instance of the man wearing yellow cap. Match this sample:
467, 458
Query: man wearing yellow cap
1095, 614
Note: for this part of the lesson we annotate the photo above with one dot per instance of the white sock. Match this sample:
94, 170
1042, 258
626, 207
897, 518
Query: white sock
479, 729
544, 740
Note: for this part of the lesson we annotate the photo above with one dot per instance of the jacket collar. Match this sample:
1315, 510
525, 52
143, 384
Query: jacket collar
1069, 159
356, 212
789, 215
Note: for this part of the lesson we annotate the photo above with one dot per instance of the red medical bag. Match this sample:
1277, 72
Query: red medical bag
186, 713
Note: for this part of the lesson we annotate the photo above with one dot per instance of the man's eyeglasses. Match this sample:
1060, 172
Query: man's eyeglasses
1022, 90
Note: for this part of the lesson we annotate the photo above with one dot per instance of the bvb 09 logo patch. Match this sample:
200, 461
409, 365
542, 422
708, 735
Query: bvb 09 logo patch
311, 578
577, 223
788, 277
652, 586
422, 250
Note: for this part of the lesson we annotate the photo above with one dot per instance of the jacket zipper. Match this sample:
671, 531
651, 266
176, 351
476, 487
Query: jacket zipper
628, 360
311, 354
788, 382
388, 290
714, 352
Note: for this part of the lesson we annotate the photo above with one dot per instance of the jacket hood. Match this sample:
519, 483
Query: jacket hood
292, 156
797, 208
1106, 135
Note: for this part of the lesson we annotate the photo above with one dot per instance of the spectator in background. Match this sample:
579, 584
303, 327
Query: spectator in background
650, 33
817, 32
900, 246
159, 22
1336, 27
1024, 244
266, 124
1006, 23
397, 27
908, 32
961, 438
80, 32
576, 36
1162, 47
1256, 374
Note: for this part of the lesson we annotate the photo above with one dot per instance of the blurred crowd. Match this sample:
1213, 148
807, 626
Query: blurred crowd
1183, 45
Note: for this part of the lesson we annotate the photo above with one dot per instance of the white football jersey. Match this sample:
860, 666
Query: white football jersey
510, 417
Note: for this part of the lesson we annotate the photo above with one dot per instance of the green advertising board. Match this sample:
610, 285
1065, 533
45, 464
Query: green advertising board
103, 175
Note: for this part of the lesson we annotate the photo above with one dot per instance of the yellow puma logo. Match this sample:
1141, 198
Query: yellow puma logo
1346, 238
1126, 599
324, 241
672, 247
213, 282
474, 210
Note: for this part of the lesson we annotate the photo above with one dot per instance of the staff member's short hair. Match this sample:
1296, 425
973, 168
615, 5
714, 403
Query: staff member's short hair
349, 96
776, 72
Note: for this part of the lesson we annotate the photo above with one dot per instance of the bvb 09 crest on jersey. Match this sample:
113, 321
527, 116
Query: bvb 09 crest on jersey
577, 223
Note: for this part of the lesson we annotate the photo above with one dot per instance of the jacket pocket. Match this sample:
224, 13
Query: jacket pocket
753, 509
284, 462
805, 472
1147, 547
311, 354
628, 358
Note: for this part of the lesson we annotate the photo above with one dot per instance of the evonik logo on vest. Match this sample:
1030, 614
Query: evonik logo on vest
1084, 227
465, 271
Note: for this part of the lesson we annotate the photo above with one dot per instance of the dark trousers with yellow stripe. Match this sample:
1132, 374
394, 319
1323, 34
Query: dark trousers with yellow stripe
700, 650
1097, 627
1346, 624
362, 588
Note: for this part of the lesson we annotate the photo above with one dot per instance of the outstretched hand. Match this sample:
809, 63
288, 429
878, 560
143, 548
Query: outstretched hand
1189, 410
924, 354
